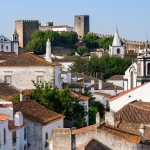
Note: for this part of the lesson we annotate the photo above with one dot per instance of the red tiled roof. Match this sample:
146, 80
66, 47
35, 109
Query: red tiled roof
7, 55
103, 94
11, 125
36, 112
74, 84
27, 59
125, 92
80, 97
4, 117
6, 91
135, 112
116, 77
84, 129
26, 92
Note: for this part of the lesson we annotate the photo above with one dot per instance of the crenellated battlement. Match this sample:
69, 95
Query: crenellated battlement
34, 21
125, 40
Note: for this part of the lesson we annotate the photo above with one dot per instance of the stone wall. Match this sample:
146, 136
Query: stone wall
25, 28
81, 25
59, 51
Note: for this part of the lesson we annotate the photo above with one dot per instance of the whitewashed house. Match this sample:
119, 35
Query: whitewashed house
40, 122
7, 45
13, 133
25, 68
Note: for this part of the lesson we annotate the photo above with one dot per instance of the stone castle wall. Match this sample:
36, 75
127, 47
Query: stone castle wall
25, 28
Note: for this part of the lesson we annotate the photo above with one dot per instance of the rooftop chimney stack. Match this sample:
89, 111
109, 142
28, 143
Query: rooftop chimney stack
48, 51
109, 118
143, 133
18, 118
100, 84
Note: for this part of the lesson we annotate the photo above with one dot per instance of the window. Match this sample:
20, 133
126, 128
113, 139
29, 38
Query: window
25, 135
25, 147
4, 136
148, 68
14, 137
15, 38
46, 137
7, 47
2, 46
7, 79
118, 51
40, 79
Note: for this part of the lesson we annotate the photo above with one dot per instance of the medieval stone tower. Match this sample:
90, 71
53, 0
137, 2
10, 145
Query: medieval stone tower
82, 25
25, 28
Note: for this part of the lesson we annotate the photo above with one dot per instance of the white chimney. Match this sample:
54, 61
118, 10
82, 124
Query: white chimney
21, 96
100, 84
98, 118
109, 118
143, 133
48, 51
18, 118
92, 82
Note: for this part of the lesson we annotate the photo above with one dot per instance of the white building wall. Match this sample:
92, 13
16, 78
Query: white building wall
141, 93
48, 129
21, 77
116, 82
55, 29
57, 76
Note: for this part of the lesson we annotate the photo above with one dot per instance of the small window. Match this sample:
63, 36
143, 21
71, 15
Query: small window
148, 68
7, 47
4, 136
25, 147
46, 137
14, 137
118, 51
2, 46
8, 79
25, 134
40, 79
15, 38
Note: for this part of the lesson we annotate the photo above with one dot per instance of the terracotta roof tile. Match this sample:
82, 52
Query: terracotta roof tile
11, 125
125, 92
103, 94
135, 112
26, 92
80, 97
6, 91
7, 55
36, 112
4, 117
27, 59
116, 77
85, 129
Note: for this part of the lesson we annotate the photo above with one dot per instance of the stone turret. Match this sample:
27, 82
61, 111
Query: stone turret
48, 51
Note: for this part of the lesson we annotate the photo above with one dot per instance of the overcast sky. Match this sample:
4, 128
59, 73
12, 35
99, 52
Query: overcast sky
131, 16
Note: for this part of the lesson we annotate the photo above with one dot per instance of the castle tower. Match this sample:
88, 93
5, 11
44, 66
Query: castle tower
25, 28
116, 49
81, 25
48, 51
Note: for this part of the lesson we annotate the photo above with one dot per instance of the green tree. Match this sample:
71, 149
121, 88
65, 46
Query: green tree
15, 98
53, 36
91, 40
38, 35
82, 49
37, 46
59, 101
69, 38
105, 42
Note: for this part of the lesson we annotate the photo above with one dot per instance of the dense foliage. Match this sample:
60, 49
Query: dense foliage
103, 67
59, 101
39, 38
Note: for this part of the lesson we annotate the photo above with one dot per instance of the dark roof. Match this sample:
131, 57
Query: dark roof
74, 84
135, 112
6, 91
95, 145
7, 55
103, 94
116, 77
36, 112
27, 59
70, 59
